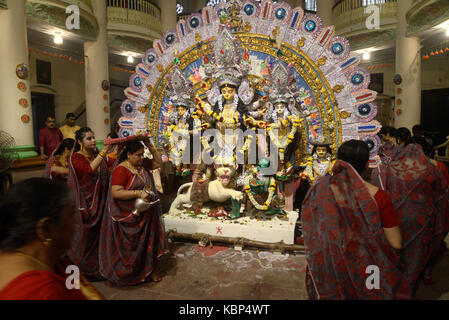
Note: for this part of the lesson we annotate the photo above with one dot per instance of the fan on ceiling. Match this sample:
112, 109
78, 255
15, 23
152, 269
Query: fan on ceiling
7, 156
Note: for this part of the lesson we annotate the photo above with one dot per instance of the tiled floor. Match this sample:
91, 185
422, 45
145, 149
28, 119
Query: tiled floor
195, 273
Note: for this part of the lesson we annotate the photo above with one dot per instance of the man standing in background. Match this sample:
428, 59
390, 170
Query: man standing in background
49, 138
68, 130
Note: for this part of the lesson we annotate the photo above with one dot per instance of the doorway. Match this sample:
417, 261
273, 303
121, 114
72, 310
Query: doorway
43, 105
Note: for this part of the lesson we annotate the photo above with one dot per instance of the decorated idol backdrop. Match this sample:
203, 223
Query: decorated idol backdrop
329, 87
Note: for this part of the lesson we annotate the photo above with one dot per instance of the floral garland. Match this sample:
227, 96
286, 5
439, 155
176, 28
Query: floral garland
282, 145
254, 202
179, 149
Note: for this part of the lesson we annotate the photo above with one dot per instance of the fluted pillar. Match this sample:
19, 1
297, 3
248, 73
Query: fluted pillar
96, 71
16, 119
324, 10
168, 14
408, 66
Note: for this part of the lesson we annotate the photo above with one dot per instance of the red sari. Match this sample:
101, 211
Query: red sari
131, 245
90, 189
47, 285
419, 193
343, 235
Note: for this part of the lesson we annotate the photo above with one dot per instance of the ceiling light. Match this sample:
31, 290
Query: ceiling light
130, 59
58, 38
366, 56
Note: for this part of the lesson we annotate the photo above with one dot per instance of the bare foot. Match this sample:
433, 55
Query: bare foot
155, 277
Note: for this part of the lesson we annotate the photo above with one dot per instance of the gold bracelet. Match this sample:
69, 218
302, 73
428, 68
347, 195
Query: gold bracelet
102, 154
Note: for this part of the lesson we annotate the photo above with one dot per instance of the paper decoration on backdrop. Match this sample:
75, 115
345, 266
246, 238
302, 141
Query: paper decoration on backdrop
21, 86
22, 71
105, 85
25, 118
397, 79
23, 102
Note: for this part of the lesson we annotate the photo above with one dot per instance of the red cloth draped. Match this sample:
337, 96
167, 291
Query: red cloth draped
48, 285
442, 167
39, 285
53, 160
131, 245
387, 151
419, 193
343, 235
90, 190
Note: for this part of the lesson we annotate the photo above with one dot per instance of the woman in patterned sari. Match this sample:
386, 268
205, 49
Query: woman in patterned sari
419, 193
132, 242
57, 167
350, 231
88, 178
37, 224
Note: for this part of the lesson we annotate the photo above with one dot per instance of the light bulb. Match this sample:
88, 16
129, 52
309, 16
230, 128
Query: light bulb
58, 38
366, 56
130, 59
447, 31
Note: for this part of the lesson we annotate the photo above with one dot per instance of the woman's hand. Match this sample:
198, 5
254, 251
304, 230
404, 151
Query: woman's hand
144, 195
106, 149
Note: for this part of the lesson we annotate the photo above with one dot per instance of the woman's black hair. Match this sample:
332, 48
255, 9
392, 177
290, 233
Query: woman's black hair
79, 136
387, 130
113, 135
328, 147
65, 144
131, 147
24, 205
355, 152
403, 135
426, 147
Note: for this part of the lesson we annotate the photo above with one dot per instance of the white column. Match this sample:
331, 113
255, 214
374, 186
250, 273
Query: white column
296, 3
96, 70
408, 65
14, 51
168, 14
324, 10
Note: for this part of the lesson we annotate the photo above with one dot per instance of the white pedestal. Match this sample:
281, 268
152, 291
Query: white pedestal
271, 231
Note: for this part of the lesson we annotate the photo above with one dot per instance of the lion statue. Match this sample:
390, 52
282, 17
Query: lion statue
216, 190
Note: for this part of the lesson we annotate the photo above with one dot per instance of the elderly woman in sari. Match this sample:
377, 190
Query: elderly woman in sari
350, 225
89, 179
57, 167
37, 224
132, 242
419, 193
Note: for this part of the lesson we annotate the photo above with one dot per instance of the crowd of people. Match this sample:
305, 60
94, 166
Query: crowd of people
83, 213
395, 223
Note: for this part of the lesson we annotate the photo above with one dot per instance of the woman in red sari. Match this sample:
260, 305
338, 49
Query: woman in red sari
57, 167
36, 227
419, 193
349, 227
131, 243
89, 179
